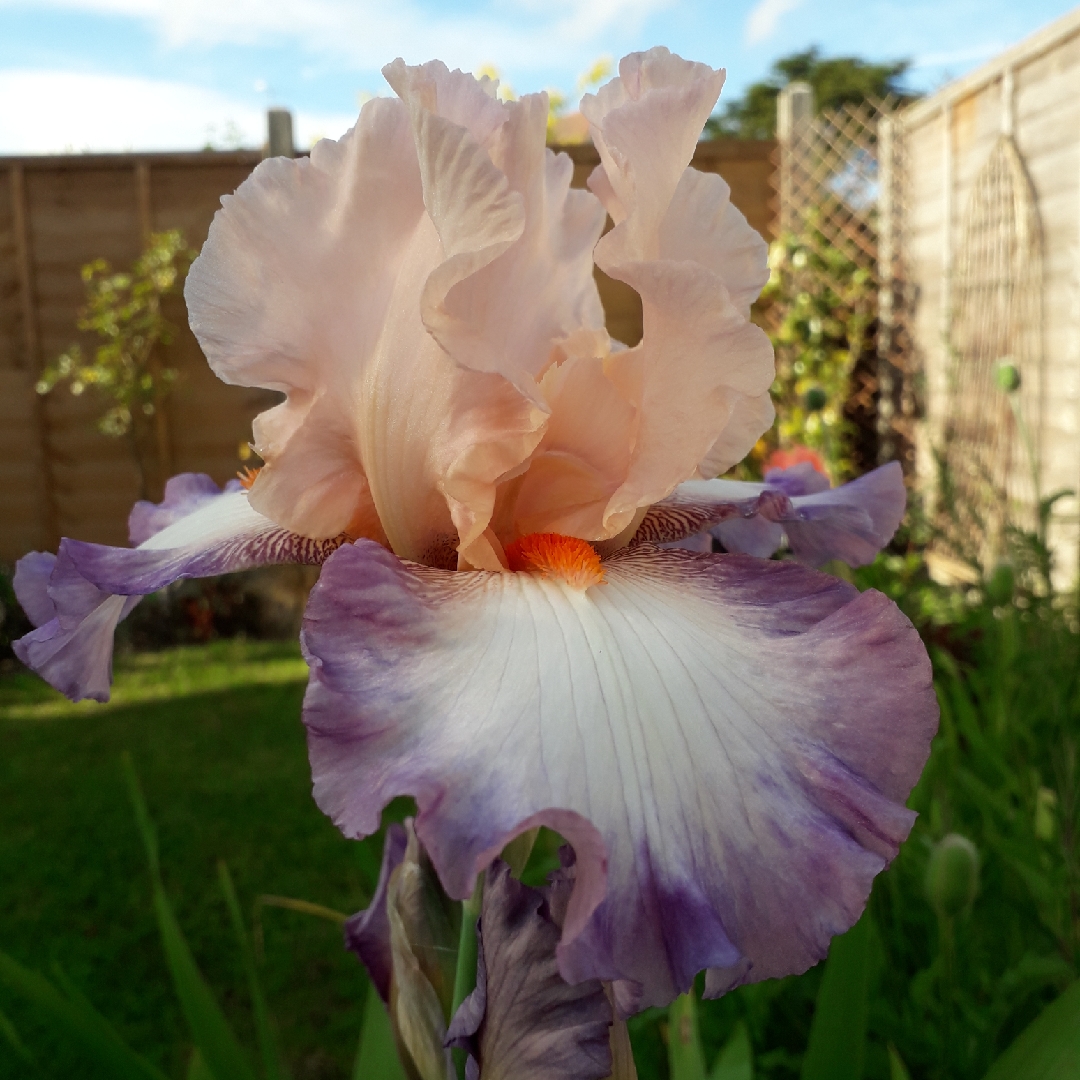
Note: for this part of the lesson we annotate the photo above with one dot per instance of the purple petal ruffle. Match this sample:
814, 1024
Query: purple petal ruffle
77, 597
852, 522
727, 743
183, 494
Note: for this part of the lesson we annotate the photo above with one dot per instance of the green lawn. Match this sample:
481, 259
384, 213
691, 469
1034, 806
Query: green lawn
216, 738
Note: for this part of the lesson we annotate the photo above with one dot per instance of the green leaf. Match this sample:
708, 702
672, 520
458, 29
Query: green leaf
224, 1057
736, 1060
685, 1058
273, 1066
1049, 1047
78, 1020
377, 1056
837, 1046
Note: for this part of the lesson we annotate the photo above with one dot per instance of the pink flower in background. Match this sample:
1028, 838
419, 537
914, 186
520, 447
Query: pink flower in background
488, 479
797, 455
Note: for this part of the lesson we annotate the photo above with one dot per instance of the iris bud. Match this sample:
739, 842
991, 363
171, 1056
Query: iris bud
1007, 375
952, 877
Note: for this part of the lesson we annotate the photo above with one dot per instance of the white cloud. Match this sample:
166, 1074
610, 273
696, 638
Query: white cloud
62, 110
763, 17
368, 33
965, 56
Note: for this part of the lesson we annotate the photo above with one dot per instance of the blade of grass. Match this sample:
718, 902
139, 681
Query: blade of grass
685, 1058
897, 1068
81, 1022
377, 1055
222, 1053
837, 1046
1049, 1047
196, 1069
273, 1066
11, 1035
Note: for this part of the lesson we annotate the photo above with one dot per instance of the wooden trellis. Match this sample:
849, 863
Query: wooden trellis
840, 188
995, 340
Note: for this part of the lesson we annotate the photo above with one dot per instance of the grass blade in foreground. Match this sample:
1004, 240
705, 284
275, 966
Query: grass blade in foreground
11, 1035
222, 1054
78, 1020
377, 1056
837, 1047
273, 1066
1049, 1047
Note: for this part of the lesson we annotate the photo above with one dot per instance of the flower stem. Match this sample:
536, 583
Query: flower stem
465, 973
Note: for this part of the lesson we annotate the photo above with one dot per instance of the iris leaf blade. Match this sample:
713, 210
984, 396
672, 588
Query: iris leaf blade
77, 1019
837, 1046
1049, 1047
273, 1066
221, 1051
377, 1055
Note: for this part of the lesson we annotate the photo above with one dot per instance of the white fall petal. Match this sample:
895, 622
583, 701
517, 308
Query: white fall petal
740, 737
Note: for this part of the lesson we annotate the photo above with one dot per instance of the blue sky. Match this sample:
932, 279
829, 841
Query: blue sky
177, 74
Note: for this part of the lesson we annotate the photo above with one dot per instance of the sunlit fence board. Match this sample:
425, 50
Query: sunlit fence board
1032, 92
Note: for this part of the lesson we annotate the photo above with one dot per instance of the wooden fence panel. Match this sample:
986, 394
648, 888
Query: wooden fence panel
58, 475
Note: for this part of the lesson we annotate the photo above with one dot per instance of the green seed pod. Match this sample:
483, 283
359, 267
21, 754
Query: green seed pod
1001, 584
1007, 375
952, 876
816, 399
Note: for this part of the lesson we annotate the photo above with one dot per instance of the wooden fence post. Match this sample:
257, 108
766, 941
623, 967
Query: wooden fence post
794, 112
279, 134
143, 201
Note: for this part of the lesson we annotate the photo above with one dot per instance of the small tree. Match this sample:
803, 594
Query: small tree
125, 311
836, 81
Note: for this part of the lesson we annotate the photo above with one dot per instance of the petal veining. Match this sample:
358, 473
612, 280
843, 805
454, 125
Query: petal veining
738, 735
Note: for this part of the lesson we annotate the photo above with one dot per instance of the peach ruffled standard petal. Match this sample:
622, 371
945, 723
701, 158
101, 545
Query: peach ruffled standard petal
586, 450
696, 265
404, 287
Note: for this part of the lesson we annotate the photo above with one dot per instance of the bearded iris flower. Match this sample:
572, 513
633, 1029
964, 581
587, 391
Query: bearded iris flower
501, 628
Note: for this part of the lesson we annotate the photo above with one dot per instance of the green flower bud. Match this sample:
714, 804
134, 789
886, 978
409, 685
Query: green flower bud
1007, 375
1001, 585
952, 876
